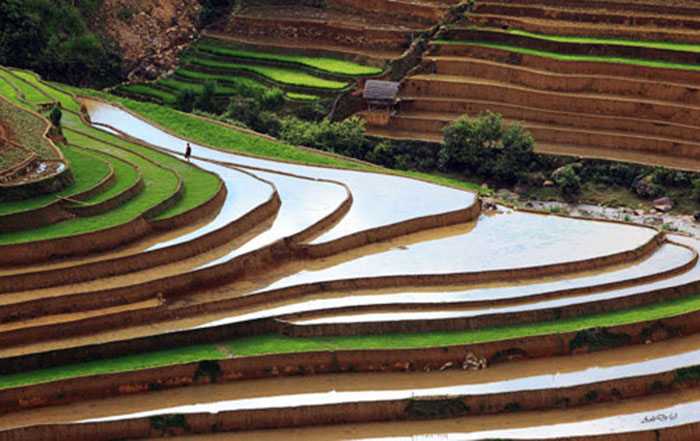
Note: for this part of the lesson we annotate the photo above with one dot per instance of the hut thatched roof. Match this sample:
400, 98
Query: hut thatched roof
376, 90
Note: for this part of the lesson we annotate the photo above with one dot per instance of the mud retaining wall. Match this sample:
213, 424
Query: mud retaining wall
372, 411
565, 67
577, 121
566, 29
109, 204
661, 20
567, 102
686, 94
316, 30
608, 50
688, 8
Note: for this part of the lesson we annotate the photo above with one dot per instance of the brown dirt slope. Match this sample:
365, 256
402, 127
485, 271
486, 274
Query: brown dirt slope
149, 33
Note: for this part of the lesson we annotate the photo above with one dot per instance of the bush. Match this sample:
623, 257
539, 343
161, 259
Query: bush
272, 100
485, 147
568, 181
696, 189
206, 101
55, 117
345, 138
185, 99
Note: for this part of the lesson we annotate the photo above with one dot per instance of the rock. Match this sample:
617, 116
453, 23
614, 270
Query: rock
646, 189
519, 189
548, 183
663, 204
536, 178
529, 205
485, 186
654, 220
696, 216
626, 210
508, 195
639, 212
473, 363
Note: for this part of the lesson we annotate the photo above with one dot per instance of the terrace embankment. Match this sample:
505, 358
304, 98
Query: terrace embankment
608, 100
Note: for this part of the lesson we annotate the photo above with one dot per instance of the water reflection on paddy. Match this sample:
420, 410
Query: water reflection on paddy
507, 240
379, 199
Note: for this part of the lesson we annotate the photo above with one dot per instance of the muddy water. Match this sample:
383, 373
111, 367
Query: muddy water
522, 375
498, 241
668, 257
650, 413
304, 203
378, 199
677, 280
542, 382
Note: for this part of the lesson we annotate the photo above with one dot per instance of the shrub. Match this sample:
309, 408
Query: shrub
345, 137
272, 99
696, 189
185, 99
485, 147
206, 101
55, 116
568, 181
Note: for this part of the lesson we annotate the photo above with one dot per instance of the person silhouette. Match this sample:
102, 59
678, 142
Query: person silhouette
188, 152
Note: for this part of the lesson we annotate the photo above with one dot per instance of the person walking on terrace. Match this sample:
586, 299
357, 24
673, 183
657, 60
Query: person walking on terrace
188, 152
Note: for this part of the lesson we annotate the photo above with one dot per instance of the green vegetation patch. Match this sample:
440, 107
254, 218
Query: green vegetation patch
685, 47
271, 344
200, 185
289, 77
87, 172
564, 57
301, 97
126, 173
242, 85
330, 65
31, 94
27, 130
147, 90
120, 364
67, 102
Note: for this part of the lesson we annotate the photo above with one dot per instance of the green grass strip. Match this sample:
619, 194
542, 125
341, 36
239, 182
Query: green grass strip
301, 97
330, 65
275, 344
121, 364
289, 77
66, 101
683, 47
242, 84
211, 133
126, 174
9, 92
146, 90
589, 58
31, 94
87, 171
197, 87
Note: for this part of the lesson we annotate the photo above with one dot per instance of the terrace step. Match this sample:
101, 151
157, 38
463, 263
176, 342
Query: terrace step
570, 28
450, 68
451, 109
680, 7
539, 41
665, 18
310, 48
582, 66
459, 87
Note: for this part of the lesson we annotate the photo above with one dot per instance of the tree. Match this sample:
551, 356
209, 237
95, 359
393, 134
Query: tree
55, 117
486, 147
185, 98
207, 99
568, 181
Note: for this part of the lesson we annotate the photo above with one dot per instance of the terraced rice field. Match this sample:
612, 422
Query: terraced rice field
282, 300
616, 80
